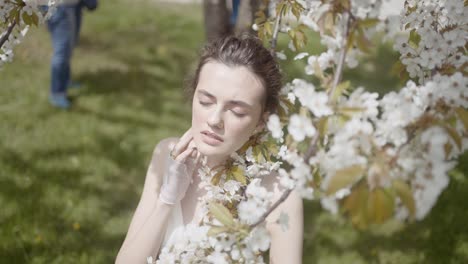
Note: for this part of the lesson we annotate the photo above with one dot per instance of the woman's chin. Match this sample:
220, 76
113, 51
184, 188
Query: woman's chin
207, 150
210, 151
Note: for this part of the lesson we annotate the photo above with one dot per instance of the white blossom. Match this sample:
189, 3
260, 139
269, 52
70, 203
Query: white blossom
249, 211
259, 239
217, 258
299, 127
274, 125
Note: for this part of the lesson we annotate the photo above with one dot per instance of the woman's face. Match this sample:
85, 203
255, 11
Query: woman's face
226, 109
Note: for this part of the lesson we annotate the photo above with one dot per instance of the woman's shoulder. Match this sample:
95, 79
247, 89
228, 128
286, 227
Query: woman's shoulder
160, 152
291, 204
165, 145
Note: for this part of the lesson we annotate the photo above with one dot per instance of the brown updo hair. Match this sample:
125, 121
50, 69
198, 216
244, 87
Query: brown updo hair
248, 51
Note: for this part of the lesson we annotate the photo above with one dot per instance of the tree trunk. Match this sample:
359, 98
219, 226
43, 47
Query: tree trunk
246, 17
216, 19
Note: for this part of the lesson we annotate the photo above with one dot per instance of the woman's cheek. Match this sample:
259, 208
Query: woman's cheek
241, 132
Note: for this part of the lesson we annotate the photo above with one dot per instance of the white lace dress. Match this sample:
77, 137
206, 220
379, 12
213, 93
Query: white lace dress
176, 221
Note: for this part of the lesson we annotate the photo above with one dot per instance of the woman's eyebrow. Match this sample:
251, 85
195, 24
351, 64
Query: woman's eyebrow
206, 93
232, 102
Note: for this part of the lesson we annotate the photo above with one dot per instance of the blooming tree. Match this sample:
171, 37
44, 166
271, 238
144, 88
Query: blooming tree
16, 16
375, 158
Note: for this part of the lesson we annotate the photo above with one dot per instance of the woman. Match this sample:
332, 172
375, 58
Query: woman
235, 87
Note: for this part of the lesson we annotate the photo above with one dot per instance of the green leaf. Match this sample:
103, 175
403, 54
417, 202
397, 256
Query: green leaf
350, 111
399, 69
268, 28
296, 12
292, 33
414, 39
326, 22
463, 115
350, 41
260, 15
215, 230
344, 177
404, 192
238, 174
380, 205
454, 135
35, 19
221, 213
369, 22
356, 205
300, 39
448, 149
362, 42
322, 126
285, 10
26, 19
217, 177
302, 27
340, 90
279, 7
13, 14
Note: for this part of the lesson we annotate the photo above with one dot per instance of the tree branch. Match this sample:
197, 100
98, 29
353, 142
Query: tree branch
341, 60
273, 207
312, 148
274, 39
9, 30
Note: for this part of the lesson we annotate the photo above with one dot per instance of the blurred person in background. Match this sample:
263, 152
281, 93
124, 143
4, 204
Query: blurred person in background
64, 27
234, 12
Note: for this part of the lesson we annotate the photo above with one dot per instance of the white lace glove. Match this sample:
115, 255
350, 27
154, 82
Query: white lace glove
178, 180
181, 163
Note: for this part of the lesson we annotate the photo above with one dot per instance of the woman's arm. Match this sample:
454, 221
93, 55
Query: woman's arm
286, 246
148, 225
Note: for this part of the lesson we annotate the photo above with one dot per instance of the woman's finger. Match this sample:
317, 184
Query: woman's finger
182, 144
186, 153
193, 155
198, 157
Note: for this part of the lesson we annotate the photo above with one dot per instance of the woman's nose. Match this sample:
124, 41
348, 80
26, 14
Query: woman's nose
216, 119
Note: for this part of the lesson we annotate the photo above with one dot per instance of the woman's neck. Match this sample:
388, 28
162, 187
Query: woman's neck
215, 161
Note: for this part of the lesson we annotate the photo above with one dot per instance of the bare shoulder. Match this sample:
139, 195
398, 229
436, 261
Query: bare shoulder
292, 205
165, 146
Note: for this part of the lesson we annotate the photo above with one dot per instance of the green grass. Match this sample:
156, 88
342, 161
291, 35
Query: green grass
70, 180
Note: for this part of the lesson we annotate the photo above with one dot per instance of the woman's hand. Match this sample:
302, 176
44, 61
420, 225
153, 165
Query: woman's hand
181, 164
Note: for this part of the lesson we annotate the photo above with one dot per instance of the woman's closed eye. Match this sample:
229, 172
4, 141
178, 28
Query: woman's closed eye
205, 103
238, 114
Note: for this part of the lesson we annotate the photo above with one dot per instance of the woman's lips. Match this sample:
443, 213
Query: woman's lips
211, 139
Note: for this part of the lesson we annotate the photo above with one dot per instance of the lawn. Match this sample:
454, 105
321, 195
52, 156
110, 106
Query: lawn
70, 180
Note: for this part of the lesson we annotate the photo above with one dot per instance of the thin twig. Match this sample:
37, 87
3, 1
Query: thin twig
312, 148
9, 30
274, 39
339, 70
273, 207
